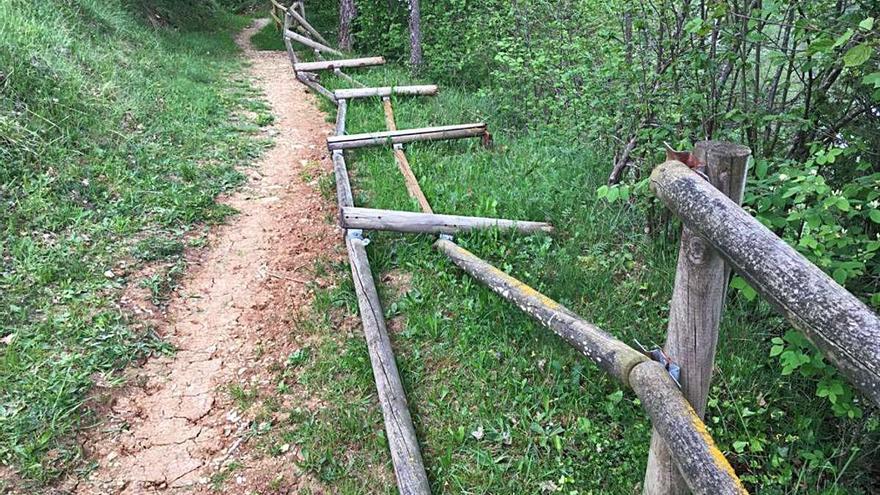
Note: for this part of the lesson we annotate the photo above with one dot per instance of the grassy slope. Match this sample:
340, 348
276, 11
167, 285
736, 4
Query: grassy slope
503, 406
115, 139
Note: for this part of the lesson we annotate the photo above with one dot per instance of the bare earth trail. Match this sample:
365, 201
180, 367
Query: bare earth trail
176, 425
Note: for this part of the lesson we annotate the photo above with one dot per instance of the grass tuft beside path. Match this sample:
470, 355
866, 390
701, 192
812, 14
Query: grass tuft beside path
115, 139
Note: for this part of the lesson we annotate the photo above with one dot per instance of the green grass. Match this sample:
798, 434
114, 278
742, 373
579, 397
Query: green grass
268, 38
115, 139
500, 404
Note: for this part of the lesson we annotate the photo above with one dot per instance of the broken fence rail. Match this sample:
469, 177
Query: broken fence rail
345, 63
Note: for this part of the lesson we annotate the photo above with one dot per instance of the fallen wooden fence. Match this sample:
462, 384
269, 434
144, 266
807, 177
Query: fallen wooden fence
703, 466
718, 232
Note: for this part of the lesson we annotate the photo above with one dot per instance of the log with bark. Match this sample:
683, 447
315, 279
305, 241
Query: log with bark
842, 327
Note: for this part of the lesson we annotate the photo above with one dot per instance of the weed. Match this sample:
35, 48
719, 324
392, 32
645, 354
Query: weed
265, 119
244, 397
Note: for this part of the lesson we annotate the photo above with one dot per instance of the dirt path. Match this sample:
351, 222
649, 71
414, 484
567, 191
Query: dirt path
176, 426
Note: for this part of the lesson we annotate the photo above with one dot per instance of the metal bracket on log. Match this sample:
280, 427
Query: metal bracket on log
657, 354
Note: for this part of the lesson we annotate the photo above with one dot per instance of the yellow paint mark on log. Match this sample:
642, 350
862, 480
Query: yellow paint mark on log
515, 284
716, 454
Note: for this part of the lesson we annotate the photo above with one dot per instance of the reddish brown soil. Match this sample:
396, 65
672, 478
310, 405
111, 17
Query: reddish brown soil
176, 426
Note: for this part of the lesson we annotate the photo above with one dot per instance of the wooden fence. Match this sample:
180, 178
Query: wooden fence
672, 385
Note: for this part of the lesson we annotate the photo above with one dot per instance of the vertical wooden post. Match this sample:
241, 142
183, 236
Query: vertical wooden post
695, 311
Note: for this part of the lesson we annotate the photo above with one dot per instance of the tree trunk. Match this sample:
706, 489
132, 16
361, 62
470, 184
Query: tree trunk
347, 12
415, 35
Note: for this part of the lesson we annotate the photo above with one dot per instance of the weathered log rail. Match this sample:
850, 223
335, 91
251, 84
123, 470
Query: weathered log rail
423, 90
403, 136
339, 64
702, 464
427, 223
843, 328
719, 235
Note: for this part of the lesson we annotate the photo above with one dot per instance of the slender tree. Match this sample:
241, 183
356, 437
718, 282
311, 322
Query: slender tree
415, 35
347, 13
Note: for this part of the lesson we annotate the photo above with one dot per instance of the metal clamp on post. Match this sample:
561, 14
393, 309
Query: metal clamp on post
446, 237
657, 354
357, 234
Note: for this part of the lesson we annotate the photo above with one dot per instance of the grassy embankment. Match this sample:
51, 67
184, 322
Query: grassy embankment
501, 405
115, 139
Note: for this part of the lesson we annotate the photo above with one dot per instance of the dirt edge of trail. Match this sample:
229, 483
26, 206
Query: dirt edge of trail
175, 427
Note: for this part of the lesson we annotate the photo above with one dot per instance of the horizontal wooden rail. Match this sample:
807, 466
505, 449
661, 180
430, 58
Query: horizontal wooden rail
304, 78
308, 27
405, 136
310, 43
344, 63
427, 223
424, 90
701, 463
844, 329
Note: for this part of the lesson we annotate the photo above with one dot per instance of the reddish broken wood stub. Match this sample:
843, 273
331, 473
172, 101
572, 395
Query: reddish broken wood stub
487, 141
686, 157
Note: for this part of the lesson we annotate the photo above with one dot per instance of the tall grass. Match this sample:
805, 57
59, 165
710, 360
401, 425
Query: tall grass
116, 136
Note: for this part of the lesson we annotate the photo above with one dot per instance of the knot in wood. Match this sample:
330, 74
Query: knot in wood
697, 249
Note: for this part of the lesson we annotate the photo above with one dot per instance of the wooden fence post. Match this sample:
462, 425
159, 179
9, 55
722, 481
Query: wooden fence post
695, 311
